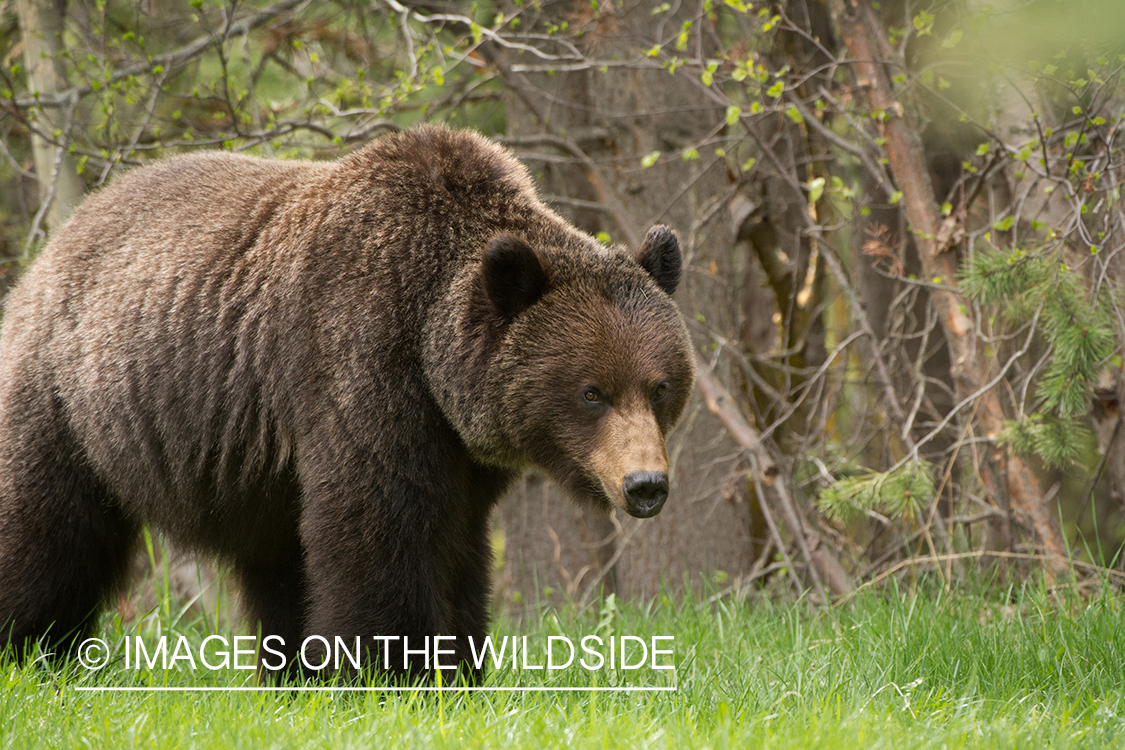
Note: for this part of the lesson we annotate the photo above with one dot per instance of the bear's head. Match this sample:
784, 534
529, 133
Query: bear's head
592, 364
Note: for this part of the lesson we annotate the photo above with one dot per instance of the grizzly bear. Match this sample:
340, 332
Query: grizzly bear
324, 374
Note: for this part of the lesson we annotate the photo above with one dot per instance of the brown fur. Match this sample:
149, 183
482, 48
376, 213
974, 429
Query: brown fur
326, 374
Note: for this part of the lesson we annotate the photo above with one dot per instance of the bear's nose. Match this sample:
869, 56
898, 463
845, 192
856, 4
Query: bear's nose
645, 492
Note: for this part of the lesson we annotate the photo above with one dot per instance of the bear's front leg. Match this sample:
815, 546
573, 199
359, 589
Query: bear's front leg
396, 556
371, 573
470, 573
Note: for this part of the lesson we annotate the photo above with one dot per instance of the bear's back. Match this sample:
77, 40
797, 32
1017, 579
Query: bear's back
184, 202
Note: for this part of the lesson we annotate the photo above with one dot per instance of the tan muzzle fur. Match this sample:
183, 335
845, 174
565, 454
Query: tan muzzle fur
631, 461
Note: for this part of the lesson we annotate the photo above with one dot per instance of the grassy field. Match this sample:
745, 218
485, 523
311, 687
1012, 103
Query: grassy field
893, 668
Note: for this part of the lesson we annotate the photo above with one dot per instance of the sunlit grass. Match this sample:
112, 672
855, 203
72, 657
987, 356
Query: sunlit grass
893, 668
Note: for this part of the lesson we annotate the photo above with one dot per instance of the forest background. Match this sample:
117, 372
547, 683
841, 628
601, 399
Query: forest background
902, 224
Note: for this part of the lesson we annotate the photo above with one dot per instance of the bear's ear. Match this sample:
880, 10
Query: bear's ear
659, 254
514, 276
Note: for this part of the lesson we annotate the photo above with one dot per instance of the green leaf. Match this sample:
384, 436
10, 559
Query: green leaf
690, 154
708, 76
982, 149
924, 23
649, 159
953, 39
733, 113
896, 196
816, 189
776, 90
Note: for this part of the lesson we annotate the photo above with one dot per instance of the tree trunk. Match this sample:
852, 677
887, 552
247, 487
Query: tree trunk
861, 35
41, 26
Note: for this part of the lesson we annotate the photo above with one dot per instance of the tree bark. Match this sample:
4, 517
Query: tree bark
41, 26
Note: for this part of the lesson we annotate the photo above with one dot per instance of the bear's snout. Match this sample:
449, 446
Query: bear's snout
645, 492
630, 461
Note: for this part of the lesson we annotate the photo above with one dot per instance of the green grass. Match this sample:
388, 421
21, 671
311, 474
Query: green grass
896, 669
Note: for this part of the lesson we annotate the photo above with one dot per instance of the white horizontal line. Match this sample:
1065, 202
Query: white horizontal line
329, 689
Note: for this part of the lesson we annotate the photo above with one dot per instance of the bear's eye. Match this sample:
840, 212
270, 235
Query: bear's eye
592, 396
660, 392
